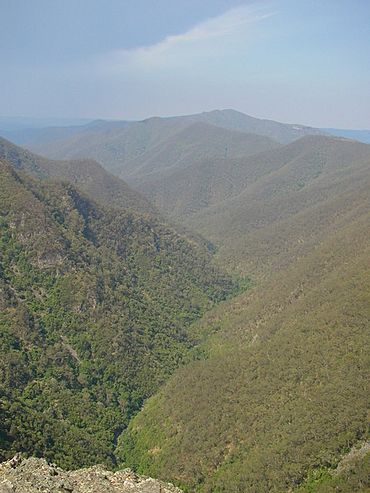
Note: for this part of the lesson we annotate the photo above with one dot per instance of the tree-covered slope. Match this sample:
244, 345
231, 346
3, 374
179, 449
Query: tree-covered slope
86, 174
111, 145
191, 145
350, 476
285, 388
279, 205
243, 180
95, 313
266, 209
194, 168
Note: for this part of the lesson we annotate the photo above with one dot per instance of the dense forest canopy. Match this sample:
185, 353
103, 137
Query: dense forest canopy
95, 310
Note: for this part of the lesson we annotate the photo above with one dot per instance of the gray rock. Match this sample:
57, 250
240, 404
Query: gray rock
37, 476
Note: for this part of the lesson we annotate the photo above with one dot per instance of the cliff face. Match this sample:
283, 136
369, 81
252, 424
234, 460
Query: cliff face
33, 475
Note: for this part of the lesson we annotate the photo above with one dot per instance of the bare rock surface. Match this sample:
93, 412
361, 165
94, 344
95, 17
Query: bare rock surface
33, 475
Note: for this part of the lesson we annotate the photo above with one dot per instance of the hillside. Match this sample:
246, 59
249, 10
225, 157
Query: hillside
114, 147
196, 185
96, 307
110, 146
266, 209
284, 391
277, 206
86, 174
189, 147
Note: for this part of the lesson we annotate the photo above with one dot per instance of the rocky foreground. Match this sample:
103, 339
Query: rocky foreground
33, 475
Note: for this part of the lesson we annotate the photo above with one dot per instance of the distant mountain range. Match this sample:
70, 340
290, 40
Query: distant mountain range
39, 131
115, 143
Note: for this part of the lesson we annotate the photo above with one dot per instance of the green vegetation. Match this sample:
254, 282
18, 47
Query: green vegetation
96, 307
86, 174
285, 387
276, 207
352, 478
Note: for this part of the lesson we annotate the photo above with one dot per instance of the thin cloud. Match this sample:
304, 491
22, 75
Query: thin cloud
225, 27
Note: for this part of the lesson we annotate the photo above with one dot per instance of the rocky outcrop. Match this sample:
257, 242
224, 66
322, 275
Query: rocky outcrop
33, 475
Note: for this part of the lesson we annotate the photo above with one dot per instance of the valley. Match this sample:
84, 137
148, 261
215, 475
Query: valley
188, 297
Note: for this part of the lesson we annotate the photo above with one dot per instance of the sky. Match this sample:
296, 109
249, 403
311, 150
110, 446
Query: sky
298, 61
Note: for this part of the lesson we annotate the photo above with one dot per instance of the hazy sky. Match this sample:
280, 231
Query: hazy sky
305, 61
